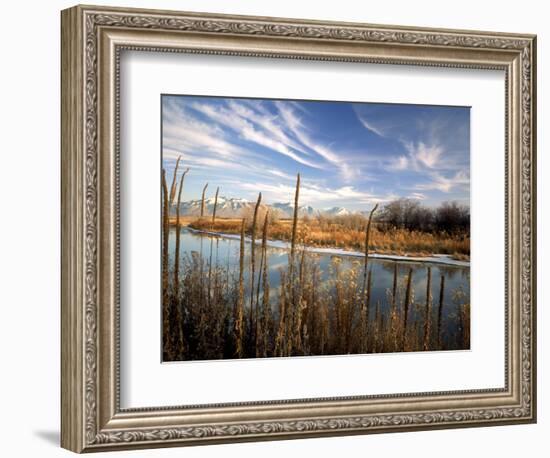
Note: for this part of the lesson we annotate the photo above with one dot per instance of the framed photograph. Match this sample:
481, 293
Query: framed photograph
278, 228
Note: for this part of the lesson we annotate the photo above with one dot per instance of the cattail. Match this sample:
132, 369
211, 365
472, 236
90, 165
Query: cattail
262, 254
173, 186
202, 201
263, 267
460, 326
427, 317
295, 220
324, 328
406, 304
393, 317
165, 304
293, 249
215, 205
465, 325
297, 320
381, 331
178, 226
440, 310
165, 232
367, 236
367, 308
240, 301
376, 327
339, 310
281, 332
362, 329
313, 315
394, 287
253, 261
208, 294
266, 307
179, 315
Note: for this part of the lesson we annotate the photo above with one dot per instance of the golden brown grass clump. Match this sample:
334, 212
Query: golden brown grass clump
337, 235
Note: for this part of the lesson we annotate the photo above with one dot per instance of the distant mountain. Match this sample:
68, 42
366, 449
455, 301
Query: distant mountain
337, 211
226, 208
236, 207
286, 209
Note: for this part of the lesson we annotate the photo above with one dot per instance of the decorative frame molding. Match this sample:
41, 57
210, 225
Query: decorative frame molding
92, 39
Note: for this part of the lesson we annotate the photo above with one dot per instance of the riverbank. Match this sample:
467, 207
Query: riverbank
443, 259
348, 234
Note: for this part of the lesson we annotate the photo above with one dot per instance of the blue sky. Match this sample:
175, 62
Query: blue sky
351, 155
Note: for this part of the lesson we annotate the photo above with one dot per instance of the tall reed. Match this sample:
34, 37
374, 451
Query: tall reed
406, 304
298, 307
367, 236
295, 218
366, 272
428, 313
239, 325
178, 230
253, 310
440, 310
215, 205
294, 222
377, 327
464, 320
209, 290
265, 325
165, 303
365, 312
292, 257
263, 252
202, 200
394, 287
165, 210
314, 312
280, 340
173, 186
211, 247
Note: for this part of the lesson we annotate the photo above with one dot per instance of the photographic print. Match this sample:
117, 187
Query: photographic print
311, 228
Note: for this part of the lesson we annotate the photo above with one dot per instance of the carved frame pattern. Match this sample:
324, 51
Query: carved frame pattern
88, 22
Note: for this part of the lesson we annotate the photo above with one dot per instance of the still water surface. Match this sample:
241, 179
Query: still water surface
224, 253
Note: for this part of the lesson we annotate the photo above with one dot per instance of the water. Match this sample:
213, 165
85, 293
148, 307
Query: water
224, 253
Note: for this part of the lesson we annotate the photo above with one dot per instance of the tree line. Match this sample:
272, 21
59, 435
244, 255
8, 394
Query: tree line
450, 217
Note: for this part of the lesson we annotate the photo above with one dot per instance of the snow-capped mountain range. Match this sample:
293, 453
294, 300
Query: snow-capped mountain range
236, 207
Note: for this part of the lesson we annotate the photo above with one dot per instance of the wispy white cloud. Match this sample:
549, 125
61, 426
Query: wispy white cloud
203, 162
256, 113
312, 194
432, 138
236, 119
284, 132
369, 125
183, 132
299, 129
417, 196
280, 174
419, 157
247, 145
441, 183
421, 154
399, 163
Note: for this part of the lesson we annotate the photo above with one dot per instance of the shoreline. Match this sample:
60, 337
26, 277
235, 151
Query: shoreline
434, 259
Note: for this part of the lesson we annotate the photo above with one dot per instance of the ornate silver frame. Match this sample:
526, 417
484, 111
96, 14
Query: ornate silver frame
92, 39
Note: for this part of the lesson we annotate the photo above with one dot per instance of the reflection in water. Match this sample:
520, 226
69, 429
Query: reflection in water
223, 253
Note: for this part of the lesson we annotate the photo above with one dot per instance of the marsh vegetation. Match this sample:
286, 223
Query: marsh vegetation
239, 298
